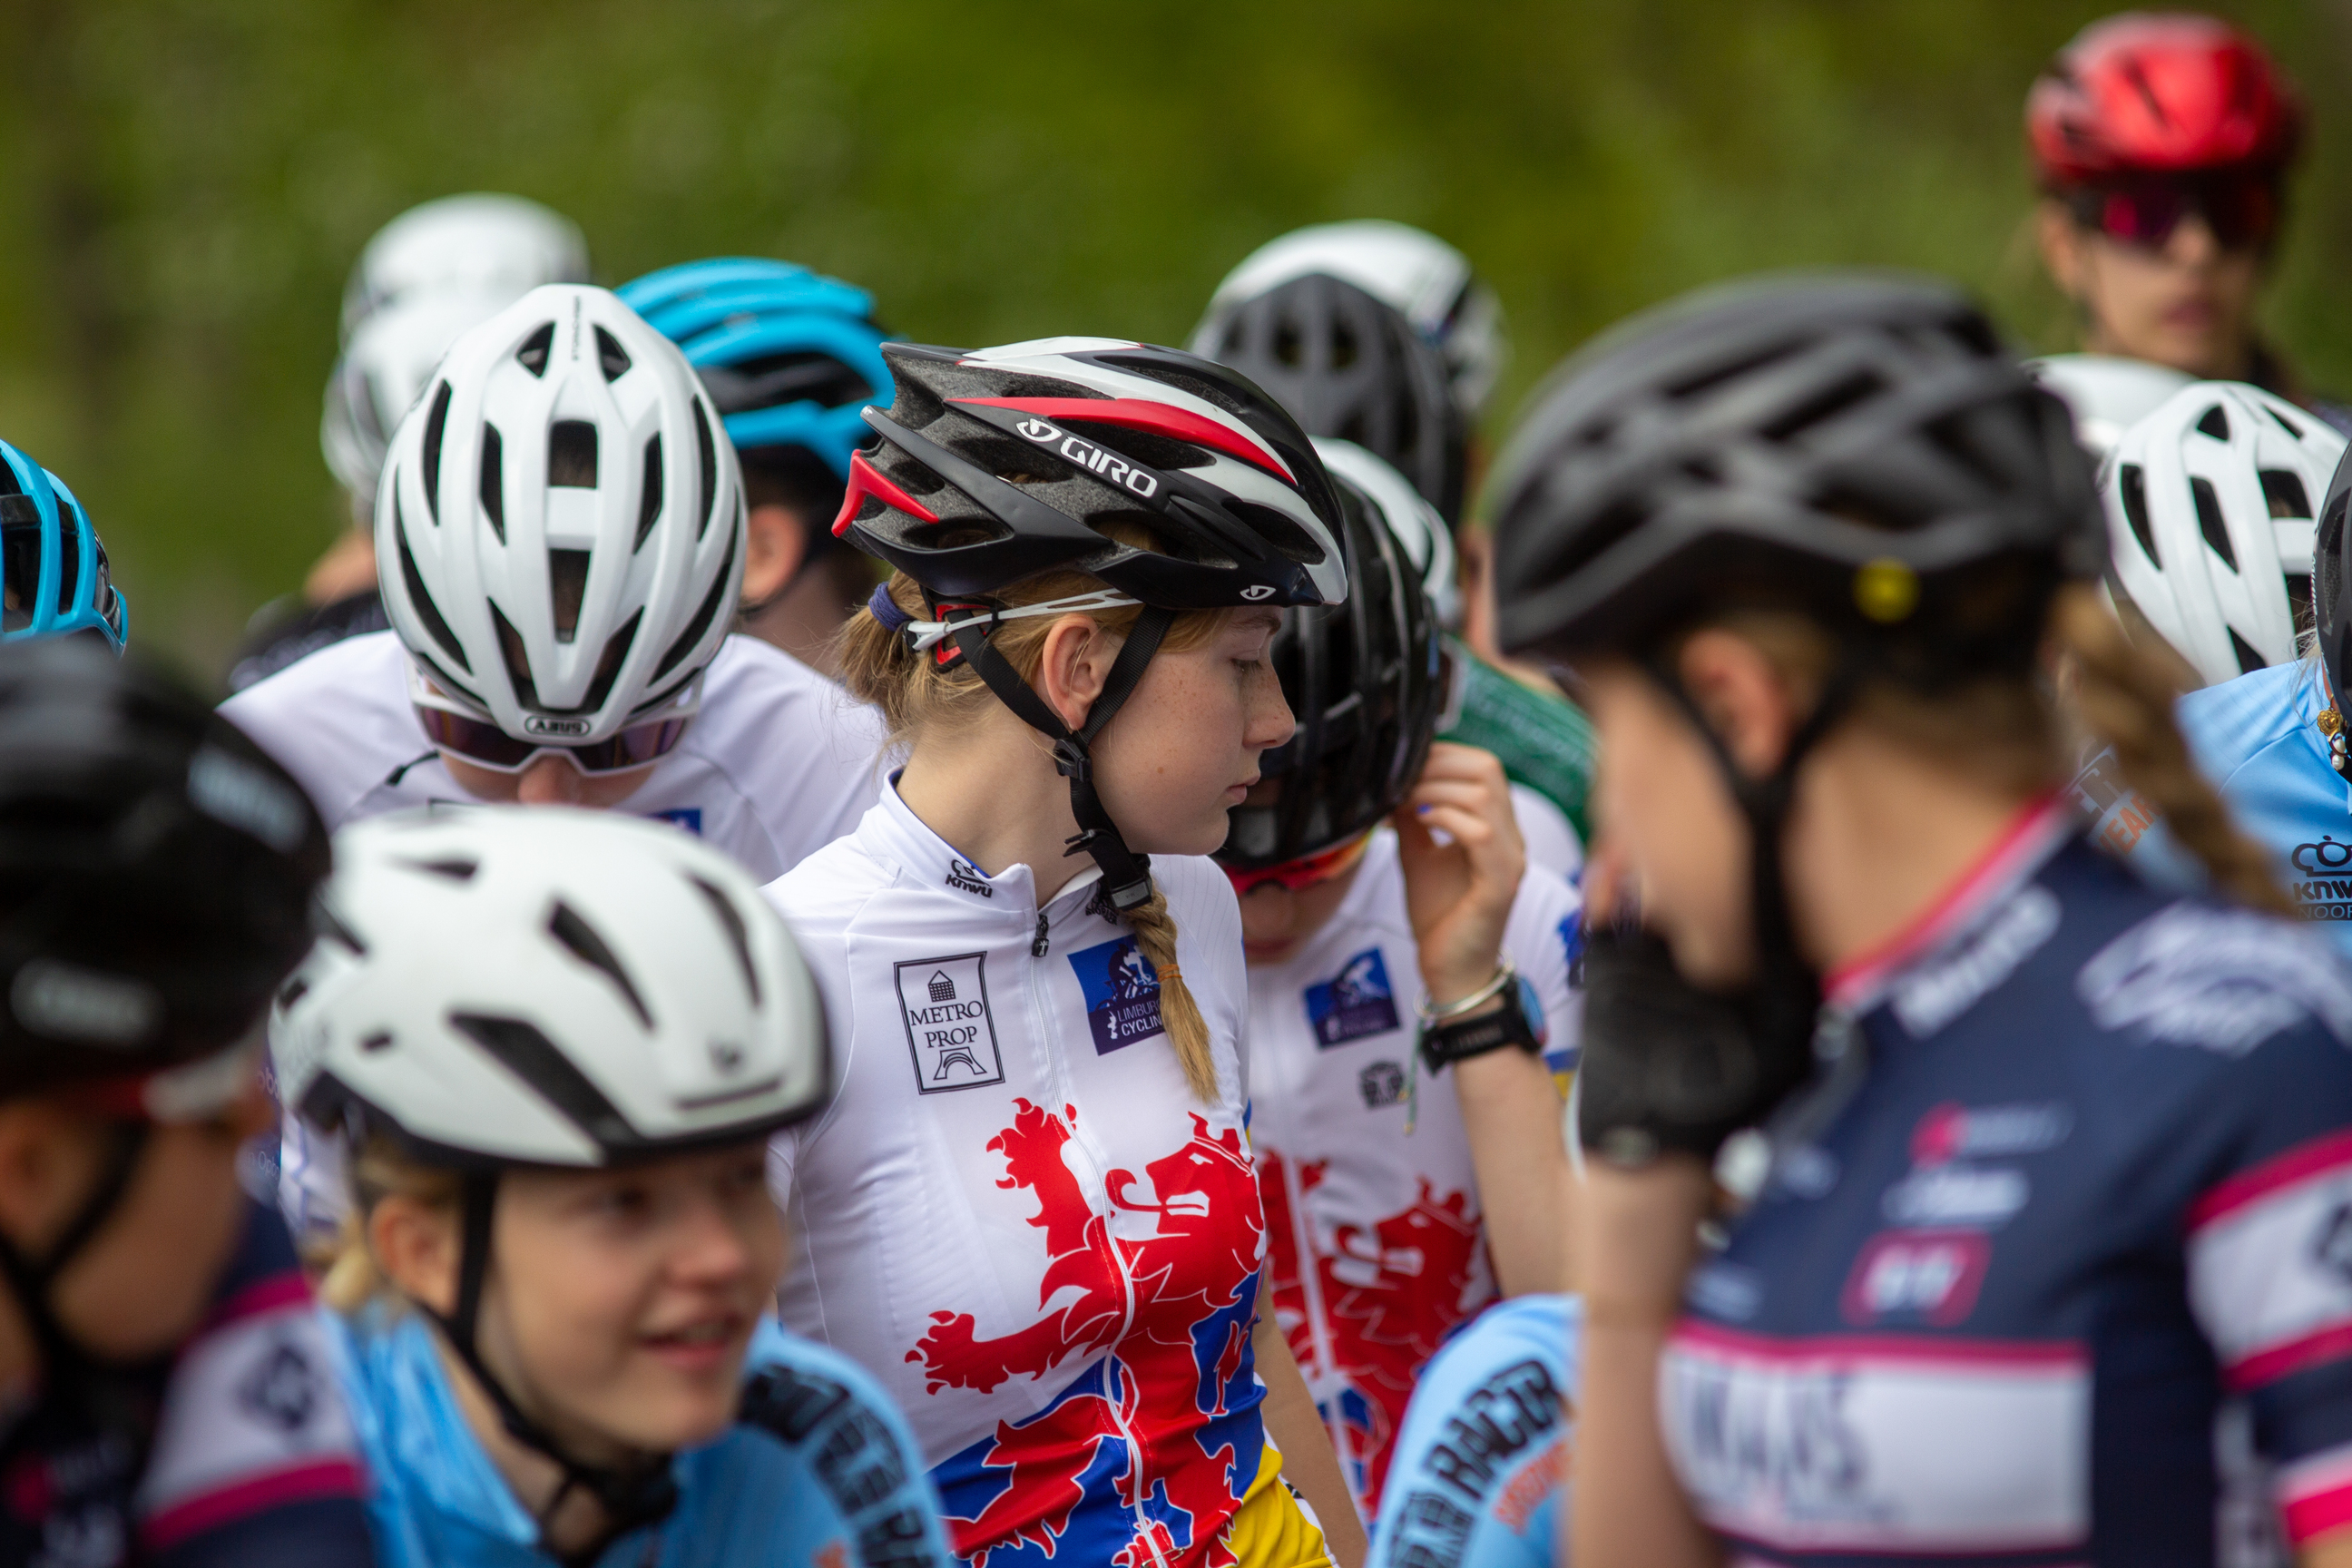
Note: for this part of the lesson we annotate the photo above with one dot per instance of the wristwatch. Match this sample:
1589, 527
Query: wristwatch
1447, 1040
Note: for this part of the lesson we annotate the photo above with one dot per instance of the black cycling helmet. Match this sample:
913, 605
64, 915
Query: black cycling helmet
1350, 365
156, 874
156, 870
1860, 446
1366, 682
2331, 565
1006, 464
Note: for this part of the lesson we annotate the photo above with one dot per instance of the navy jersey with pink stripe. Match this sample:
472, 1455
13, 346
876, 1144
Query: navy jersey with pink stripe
2054, 1262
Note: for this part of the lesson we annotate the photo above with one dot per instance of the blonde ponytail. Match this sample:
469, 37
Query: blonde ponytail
1188, 1031
353, 1279
916, 695
2124, 700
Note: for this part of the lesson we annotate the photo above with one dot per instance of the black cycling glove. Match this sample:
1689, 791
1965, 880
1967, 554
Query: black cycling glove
1667, 1067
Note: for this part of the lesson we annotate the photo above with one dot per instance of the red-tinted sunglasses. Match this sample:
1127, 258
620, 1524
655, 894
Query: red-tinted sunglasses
2243, 210
483, 743
1305, 871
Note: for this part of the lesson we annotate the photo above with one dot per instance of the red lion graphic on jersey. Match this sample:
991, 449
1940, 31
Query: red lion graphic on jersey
1392, 1293
1173, 1309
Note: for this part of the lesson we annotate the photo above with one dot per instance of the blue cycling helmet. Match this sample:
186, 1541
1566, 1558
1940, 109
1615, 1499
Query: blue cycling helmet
54, 578
790, 357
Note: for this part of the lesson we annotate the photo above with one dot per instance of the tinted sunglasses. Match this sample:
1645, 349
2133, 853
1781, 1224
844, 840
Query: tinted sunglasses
1305, 871
481, 742
2243, 210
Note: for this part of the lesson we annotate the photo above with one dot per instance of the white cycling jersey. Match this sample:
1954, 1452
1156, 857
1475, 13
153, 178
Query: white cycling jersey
779, 761
1015, 1214
1378, 1251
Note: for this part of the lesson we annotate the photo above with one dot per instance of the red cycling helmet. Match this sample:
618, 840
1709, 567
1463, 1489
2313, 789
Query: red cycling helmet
2147, 92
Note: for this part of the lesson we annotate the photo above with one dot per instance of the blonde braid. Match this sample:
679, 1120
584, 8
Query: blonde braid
1188, 1031
2124, 700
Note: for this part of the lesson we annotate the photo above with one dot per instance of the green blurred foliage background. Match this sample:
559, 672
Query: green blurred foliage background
189, 181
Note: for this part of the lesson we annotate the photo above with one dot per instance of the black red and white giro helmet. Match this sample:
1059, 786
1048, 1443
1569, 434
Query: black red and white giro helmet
1004, 464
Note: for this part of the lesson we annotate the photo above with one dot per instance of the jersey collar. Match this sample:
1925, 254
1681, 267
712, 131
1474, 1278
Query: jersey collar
895, 836
2033, 836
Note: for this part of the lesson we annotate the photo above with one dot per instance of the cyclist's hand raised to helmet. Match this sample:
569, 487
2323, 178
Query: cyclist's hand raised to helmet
1458, 894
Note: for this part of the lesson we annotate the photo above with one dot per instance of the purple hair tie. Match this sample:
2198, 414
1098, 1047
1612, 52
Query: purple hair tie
886, 609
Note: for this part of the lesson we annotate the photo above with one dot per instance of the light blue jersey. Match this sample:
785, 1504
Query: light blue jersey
2257, 739
1475, 1479
819, 1470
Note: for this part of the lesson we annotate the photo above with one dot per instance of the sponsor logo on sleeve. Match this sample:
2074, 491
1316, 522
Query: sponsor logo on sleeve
1571, 943
1358, 1003
950, 1033
2225, 980
687, 816
2324, 878
1122, 994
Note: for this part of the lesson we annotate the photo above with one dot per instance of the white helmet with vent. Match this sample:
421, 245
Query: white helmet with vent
547, 986
2106, 395
560, 524
1418, 530
495, 246
384, 366
1408, 269
2212, 503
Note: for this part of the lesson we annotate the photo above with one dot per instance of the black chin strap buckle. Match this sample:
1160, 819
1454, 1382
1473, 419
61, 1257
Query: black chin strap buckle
1073, 762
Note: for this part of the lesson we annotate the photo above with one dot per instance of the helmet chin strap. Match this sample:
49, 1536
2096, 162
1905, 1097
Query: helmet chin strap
1126, 875
630, 1498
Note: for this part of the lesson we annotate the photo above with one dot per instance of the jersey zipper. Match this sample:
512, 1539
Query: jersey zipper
1040, 1010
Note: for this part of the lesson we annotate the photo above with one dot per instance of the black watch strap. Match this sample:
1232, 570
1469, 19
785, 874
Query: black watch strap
1443, 1043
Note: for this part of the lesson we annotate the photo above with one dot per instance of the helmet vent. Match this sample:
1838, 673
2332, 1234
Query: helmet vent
702, 618
1823, 405
608, 668
435, 424
2248, 659
2284, 492
570, 928
572, 455
519, 1046
1344, 347
70, 551
2133, 484
454, 870
610, 357
518, 660
494, 486
2209, 522
730, 921
2285, 423
532, 354
567, 583
413, 581
8, 484
2215, 424
710, 467
649, 498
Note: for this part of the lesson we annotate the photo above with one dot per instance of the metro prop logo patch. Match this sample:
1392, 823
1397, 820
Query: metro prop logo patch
952, 1036
1122, 993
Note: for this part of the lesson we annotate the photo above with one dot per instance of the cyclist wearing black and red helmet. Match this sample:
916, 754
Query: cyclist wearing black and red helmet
2161, 143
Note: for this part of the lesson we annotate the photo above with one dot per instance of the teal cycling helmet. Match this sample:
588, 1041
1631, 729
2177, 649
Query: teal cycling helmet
790, 357
54, 579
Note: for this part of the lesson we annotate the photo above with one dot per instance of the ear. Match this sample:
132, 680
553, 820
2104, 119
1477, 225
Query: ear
2062, 246
1743, 696
416, 1246
1076, 663
43, 1163
775, 543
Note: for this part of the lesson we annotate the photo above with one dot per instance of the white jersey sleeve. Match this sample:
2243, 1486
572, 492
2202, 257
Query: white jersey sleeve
1550, 838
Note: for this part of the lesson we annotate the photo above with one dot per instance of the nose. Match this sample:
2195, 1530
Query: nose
550, 779
710, 1247
2192, 242
1269, 722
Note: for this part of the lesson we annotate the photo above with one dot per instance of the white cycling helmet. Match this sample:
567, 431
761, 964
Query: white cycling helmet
1418, 530
1408, 269
385, 365
546, 986
502, 246
2107, 396
2211, 502
561, 522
